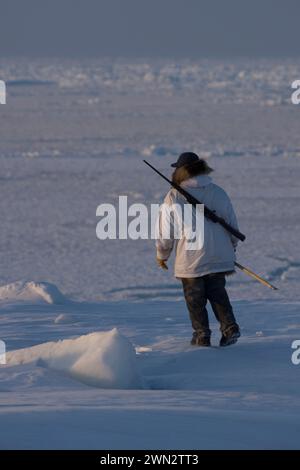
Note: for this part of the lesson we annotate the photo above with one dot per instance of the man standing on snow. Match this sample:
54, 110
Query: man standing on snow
202, 271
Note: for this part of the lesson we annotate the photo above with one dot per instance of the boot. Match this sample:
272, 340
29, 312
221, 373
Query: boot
230, 336
198, 340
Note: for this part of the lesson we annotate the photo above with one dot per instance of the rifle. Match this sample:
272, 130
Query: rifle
211, 215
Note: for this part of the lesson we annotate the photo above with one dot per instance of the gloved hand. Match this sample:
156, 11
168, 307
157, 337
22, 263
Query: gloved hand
162, 263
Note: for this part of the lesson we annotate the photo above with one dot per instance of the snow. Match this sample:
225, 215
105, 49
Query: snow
240, 80
74, 378
53, 179
73, 136
63, 318
105, 360
42, 292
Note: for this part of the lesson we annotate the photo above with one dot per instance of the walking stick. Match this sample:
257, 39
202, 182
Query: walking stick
255, 276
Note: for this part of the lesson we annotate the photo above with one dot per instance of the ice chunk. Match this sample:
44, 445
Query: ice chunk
34, 292
99, 359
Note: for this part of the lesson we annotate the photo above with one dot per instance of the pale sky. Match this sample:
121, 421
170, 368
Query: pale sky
161, 28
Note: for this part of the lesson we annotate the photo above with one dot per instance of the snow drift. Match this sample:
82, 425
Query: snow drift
100, 359
30, 291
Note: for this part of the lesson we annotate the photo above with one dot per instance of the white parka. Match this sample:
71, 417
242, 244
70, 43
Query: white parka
218, 251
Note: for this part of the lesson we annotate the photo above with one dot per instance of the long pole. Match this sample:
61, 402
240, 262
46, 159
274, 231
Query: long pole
255, 276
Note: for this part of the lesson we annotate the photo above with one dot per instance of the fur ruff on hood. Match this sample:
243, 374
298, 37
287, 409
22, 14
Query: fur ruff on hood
186, 172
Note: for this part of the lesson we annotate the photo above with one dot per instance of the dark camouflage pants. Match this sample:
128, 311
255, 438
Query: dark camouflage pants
197, 292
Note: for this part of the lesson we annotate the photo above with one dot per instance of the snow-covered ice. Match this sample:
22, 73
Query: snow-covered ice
73, 135
21, 291
105, 360
73, 379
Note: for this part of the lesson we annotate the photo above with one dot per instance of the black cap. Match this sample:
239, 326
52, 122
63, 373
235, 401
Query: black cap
185, 158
